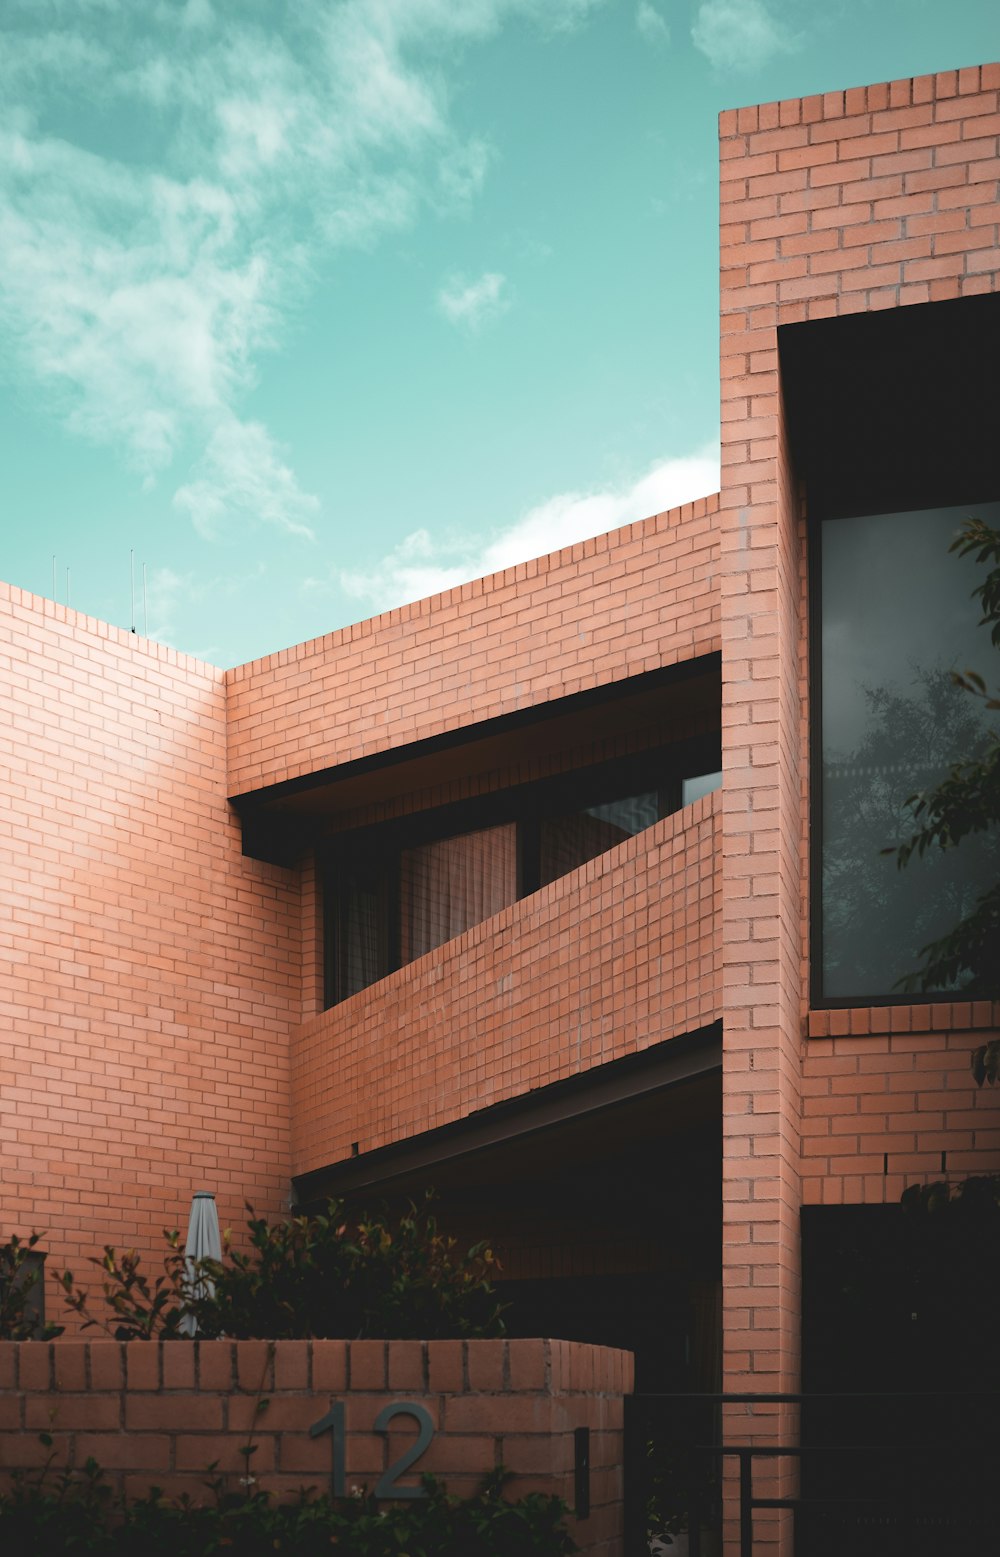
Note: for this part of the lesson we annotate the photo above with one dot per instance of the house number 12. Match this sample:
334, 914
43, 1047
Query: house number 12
388, 1483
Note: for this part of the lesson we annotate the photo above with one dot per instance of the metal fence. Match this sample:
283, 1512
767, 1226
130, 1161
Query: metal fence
860, 1475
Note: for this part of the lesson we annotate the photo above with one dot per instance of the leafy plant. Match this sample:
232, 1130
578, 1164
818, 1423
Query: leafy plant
143, 1312
78, 1515
414, 1283
291, 1283
307, 1277
966, 803
20, 1278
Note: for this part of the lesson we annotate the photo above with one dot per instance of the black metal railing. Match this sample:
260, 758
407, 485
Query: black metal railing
860, 1475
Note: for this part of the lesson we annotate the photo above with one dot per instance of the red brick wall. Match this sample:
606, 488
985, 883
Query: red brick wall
151, 973
611, 959
161, 1415
861, 199
616, 606
888, 1100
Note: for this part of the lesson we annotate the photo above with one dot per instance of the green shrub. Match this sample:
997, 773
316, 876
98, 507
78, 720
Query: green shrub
19, 1280
308, 1277
78, 1516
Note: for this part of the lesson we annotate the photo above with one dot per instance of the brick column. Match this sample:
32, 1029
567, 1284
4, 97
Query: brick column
872, 198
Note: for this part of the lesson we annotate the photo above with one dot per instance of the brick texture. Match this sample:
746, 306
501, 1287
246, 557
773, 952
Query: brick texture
589, 615
515, 1403
151, 972
618, 956
871, 198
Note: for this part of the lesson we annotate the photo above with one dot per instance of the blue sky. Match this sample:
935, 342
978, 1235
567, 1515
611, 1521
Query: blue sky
321, 307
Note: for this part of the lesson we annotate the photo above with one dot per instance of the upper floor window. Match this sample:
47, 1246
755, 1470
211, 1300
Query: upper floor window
896, 619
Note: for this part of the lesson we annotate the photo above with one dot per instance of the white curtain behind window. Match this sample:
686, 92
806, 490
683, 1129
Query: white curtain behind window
363, 937
448, 886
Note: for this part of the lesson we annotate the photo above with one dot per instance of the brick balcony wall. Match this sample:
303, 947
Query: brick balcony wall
618, 956
155, 1414
150, 972
623, 603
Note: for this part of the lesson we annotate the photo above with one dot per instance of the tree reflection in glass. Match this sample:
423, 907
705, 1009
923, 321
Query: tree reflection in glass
897, 618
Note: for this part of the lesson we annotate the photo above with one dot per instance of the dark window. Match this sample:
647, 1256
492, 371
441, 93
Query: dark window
896, 619
570, 840
360, 900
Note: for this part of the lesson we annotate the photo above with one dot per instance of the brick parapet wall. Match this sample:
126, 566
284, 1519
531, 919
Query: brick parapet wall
155, 1414
621, 604
150, 971
611, 959
861, 199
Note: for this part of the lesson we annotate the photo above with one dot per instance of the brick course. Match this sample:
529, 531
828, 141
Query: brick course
616, 606
619, 955
512, 1403
152, 972
871, 198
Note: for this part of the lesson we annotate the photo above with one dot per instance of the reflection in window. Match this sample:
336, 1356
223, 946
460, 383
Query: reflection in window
703, 784
896, 619
448, 886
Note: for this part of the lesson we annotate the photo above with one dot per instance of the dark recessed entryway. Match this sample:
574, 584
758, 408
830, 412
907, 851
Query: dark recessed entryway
607, 1224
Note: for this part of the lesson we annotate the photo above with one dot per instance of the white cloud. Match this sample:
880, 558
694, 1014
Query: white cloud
166, 591
139, 290
739, 34
422, 565
171, 597
473, 304
242, 481
651, 24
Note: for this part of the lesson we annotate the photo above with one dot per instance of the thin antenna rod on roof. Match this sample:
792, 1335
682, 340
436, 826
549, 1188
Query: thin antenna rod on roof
145, 624
67, 589
53, 575
131, 575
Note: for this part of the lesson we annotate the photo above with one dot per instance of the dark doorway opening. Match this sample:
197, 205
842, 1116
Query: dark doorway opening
607, 1225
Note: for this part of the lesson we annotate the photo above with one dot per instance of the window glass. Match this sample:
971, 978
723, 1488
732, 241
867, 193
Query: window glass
701, 784
357, 907
897, 618
566, 842
448, 886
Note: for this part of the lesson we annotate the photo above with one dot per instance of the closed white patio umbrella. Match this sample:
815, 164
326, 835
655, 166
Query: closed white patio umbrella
204, 1242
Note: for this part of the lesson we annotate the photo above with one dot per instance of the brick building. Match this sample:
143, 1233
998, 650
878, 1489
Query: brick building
454, 896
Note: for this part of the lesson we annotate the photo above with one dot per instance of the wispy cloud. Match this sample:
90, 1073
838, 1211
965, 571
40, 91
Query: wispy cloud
141, 288
651, 24
171, 597
242, 481
473, 304
423, 564
740, 35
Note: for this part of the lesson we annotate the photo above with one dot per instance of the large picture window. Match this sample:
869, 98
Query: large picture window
896, 618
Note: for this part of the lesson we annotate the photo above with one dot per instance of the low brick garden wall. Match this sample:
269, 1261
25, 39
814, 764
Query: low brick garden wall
161, 1414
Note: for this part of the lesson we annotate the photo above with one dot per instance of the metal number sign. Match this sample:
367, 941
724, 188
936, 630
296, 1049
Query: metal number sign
388, 1486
